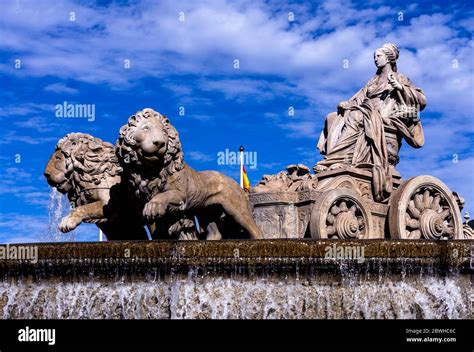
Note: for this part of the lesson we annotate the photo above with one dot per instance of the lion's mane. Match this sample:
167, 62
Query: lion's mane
93, 159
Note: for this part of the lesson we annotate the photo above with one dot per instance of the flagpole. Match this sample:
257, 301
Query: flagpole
241, 157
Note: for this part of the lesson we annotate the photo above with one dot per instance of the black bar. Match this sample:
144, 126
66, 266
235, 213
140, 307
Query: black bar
309, 332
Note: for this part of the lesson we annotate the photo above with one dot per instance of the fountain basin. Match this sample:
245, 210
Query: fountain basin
322, 279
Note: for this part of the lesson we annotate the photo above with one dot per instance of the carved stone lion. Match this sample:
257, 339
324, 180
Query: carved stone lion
150, 152
86, 169
296, 178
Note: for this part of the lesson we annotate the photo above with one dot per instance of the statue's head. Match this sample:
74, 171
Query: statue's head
148, 136
58, 171
386, 55
80, 159
146, 131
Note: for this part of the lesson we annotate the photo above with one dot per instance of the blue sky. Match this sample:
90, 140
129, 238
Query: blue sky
190, 64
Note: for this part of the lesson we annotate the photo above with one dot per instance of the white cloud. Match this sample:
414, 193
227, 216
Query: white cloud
199, 117
307, 55
16, 173
38, 123
198, 156
60, 88
12, 111
269, 165
18, 182
13, 137
15, 228
247, 89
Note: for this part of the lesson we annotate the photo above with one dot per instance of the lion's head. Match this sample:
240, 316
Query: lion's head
149, 138
80, 160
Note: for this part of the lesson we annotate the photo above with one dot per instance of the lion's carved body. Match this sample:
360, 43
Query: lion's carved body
150, 152
87, 170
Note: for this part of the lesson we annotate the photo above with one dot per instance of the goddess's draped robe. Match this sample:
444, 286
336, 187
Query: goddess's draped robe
358, 137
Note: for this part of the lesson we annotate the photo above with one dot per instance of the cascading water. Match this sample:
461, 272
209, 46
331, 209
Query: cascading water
284, 279
58, 208
189, 296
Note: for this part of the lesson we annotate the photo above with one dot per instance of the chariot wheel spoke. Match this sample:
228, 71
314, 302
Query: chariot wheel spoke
343, 206
435, 203
413, 211
444, 214
330, 219
426, 199
419, 202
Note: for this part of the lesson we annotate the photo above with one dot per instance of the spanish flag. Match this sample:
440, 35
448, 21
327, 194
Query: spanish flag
245, 179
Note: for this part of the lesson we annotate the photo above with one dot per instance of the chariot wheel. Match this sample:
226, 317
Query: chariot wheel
340, 214
423, 207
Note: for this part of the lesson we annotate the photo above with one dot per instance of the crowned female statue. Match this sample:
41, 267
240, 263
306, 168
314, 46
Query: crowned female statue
356, 134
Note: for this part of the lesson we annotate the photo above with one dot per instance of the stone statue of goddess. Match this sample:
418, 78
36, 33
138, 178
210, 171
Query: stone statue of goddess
355, 134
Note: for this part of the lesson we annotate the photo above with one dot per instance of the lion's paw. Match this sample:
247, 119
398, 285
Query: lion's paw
69, 223
187, 236
154, 209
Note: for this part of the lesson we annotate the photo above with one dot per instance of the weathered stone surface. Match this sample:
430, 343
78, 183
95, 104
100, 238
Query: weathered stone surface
432, 209
168, 189
356, 191
423, 207
286, 214
137, 257
86, 169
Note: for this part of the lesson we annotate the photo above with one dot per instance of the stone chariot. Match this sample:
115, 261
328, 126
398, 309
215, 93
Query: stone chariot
339, 204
